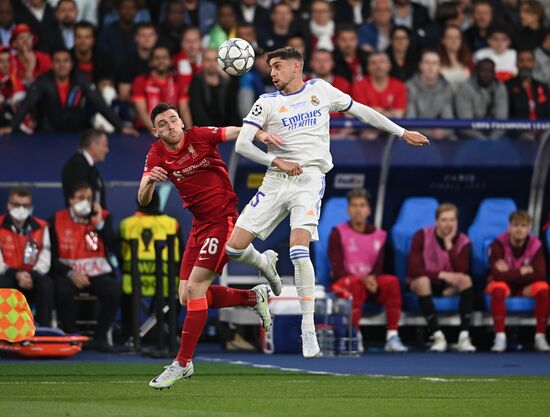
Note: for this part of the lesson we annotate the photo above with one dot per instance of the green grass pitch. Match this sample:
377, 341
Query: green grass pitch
104, 390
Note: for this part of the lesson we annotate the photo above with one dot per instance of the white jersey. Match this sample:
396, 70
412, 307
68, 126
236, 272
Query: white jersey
302, 120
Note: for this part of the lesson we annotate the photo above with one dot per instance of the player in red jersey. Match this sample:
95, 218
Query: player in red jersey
191, 160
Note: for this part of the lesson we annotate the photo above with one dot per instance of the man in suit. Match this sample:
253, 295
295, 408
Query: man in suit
81, 168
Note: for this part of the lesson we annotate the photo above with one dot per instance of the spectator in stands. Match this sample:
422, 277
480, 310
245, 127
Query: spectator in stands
12, 93
212, 97
161, 85
253, 84
356, 253
201, 14
542, 60
402, 54
138, 63
87, 11
29, 63
518, 268
350, 61
225, 27
276, 35
81, 236
500, 53
110, 15
429, 94
39, 16
322, 66
321, 25
81, 167
61, 34
354, 12
172, 26
89, 59
530, 32
411, 15
482, 97
248, 11
7, 22
25, 256
483, 16
60, 97
247, 31
528, 98
188, 61
379, 90
299, 43
448, 13
375, 35
439, 261
117, 38
456, 60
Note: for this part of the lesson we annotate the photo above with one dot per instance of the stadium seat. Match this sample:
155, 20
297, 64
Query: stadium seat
415, 213
490, 221
334, 212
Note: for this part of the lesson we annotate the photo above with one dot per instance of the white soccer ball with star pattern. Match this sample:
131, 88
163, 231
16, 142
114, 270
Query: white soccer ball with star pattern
235, 56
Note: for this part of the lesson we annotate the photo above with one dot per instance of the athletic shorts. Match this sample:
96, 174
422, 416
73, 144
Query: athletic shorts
206, 247
281, 195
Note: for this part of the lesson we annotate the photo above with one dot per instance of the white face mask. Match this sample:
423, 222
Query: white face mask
20, 213
82, 208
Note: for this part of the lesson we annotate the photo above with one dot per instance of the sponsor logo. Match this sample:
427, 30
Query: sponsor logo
314, 100
283, 109
347, 181
300, 120
203, 258
256, 110
185, 172
192, 150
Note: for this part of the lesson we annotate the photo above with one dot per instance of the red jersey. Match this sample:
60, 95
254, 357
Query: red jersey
43, 64
393, 97
186, 69
199, 173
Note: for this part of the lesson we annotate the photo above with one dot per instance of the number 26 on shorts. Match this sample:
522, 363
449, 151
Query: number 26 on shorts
210, 246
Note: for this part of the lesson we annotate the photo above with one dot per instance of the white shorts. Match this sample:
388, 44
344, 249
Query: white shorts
280, 195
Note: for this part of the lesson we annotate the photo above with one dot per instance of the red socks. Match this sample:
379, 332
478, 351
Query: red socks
390, 296
219, 297
197, 313
542, 302
498, 308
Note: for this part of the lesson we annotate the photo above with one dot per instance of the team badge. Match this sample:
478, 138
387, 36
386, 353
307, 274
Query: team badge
256, 110
314, 100
192, 150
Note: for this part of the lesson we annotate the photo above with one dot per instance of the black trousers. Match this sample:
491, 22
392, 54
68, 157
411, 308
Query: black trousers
104, 287
41, 295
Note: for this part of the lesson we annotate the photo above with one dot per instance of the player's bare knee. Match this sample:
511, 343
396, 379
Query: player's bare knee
421, 286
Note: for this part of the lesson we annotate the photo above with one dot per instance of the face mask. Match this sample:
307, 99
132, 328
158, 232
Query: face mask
20, 213
82, 208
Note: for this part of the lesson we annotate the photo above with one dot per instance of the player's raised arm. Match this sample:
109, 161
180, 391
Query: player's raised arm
147, 184
232, 132
378, 120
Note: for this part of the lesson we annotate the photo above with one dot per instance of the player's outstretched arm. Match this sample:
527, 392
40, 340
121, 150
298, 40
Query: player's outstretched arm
379, 121
147, 184
232, 133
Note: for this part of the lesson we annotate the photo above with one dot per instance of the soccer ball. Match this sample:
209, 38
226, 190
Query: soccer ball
235, 56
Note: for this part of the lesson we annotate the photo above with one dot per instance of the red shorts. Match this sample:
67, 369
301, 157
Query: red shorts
206, 247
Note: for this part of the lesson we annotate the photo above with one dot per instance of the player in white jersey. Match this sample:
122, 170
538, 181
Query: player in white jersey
298, 113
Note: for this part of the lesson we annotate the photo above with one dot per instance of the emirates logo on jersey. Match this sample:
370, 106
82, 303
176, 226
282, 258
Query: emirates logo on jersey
192, 150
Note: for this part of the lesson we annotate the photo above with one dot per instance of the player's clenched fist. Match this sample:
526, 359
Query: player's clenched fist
158, 174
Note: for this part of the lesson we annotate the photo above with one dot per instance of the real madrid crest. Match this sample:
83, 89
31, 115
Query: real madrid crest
314, 100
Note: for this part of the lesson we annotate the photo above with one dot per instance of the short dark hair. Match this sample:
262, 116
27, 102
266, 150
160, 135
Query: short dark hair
143, 25
81, 185
161, 108
520, 216
358, 193
286, 53
19, 191
89, 136
85, 25
498, 29
62, 50
525, 50
485, 61
65, 1
345, 27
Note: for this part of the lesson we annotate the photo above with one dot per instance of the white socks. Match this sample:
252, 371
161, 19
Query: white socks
248, 256
391, 333
304, 277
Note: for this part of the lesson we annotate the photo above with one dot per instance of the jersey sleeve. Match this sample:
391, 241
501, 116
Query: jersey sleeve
339, 101
212, 135
151, 160
258, 114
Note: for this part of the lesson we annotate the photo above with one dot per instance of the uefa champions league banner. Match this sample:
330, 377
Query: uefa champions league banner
476, 124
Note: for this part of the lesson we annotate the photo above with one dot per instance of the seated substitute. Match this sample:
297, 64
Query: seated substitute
25, 254
80, 237
439, 261
518, 268
356, 252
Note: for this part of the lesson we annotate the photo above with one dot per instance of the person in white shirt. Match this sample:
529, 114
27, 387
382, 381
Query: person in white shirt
298, 157
500, 53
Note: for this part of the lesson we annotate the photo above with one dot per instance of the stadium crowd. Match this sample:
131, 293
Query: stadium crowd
67, 65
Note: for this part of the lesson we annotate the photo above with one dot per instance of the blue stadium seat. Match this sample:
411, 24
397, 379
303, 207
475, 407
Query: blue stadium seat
415, 213
515, 304
334, 212
490, 221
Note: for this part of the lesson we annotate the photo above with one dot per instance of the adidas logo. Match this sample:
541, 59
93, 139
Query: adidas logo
283, 109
